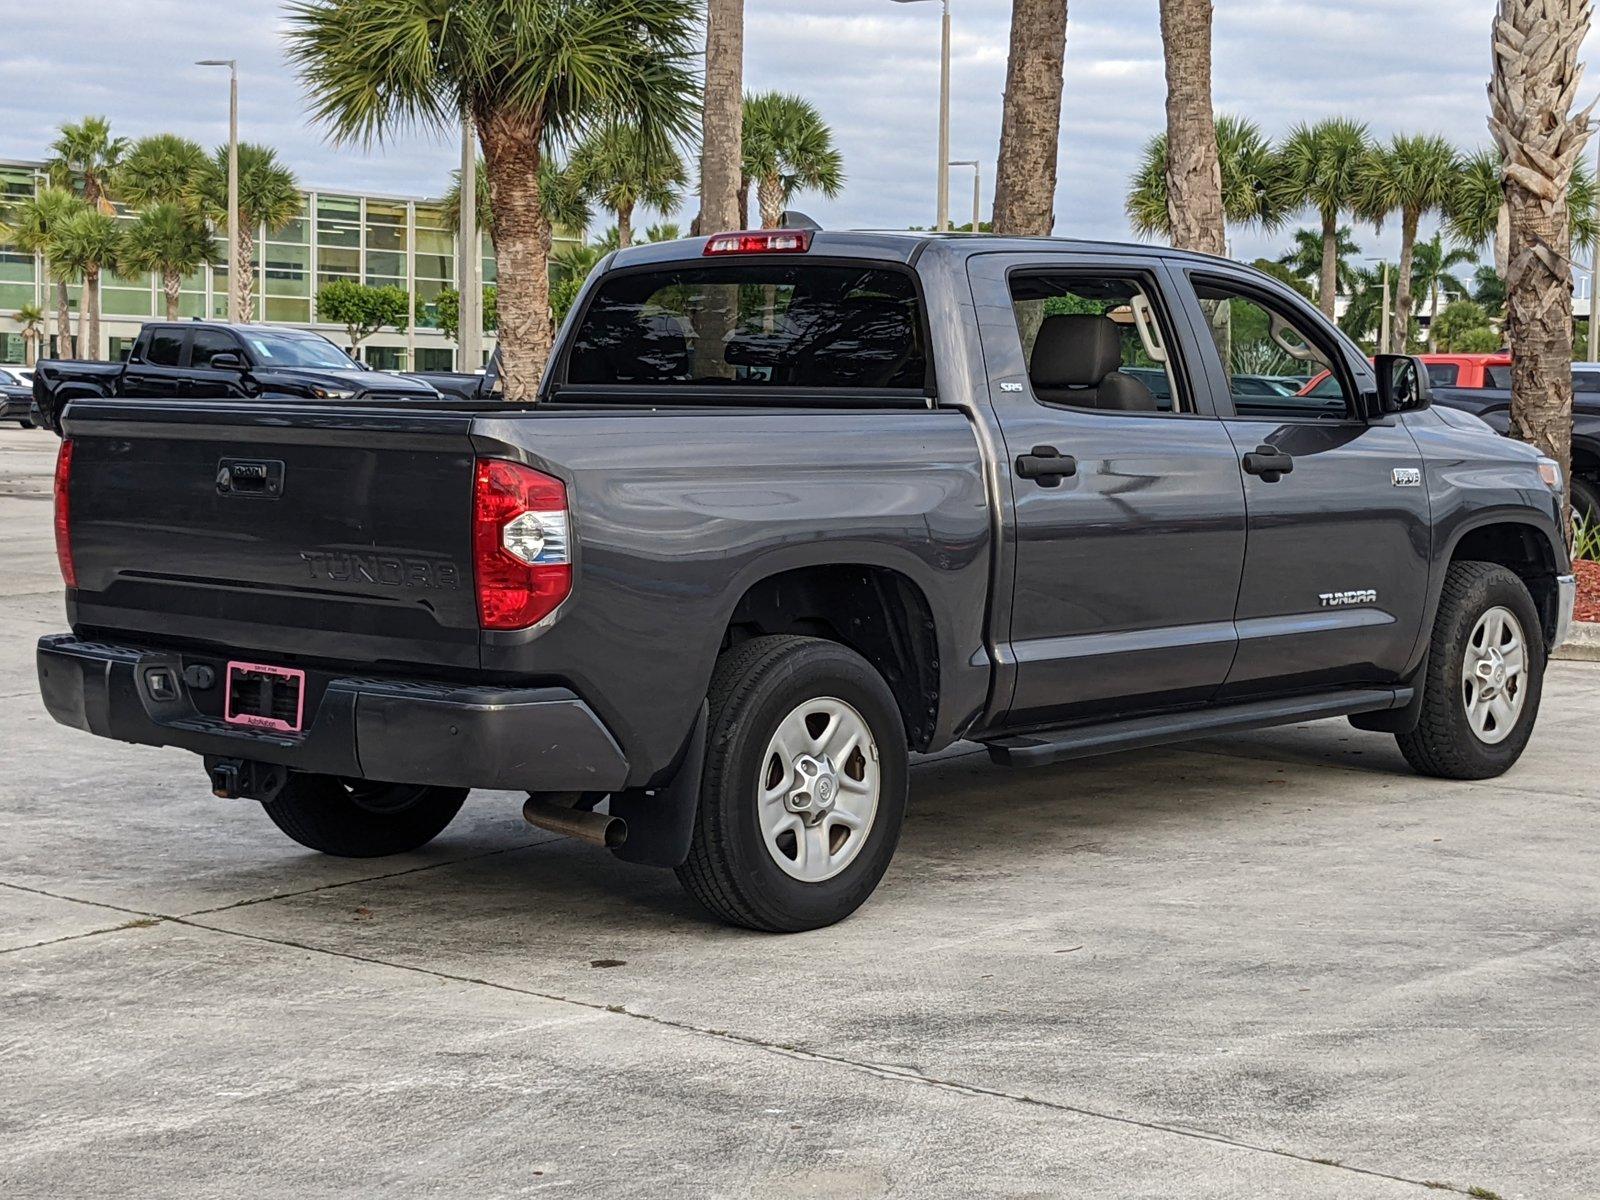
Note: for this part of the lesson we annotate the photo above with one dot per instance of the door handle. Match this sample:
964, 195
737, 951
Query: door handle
1270, 463
1047, 465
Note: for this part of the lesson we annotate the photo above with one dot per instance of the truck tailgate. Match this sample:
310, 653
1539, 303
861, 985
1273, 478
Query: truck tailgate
293, 530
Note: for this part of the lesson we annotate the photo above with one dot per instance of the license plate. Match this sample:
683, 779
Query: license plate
264, 697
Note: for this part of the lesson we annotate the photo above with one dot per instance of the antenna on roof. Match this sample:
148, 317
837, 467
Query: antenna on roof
794, 219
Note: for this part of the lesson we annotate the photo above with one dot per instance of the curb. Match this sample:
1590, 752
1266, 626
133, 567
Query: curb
1582, 644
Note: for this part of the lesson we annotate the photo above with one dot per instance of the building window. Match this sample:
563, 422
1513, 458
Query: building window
385, 358
435, 358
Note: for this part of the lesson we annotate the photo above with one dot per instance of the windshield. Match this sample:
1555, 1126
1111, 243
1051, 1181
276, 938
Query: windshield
307, 350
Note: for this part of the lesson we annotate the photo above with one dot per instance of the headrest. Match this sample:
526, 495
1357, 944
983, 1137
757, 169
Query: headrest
1075, 350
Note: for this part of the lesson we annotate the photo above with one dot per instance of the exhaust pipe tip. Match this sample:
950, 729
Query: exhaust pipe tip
600, 829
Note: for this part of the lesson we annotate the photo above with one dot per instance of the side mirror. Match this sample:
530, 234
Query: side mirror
1402, 383
227, 360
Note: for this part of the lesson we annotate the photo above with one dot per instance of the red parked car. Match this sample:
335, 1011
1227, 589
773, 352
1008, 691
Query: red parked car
1449, 370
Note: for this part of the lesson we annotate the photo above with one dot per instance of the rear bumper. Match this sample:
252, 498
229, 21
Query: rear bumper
399, 731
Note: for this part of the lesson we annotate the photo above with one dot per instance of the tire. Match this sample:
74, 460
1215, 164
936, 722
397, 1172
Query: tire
1586, 501
25, 424
733, 868
361, 819
1445, 743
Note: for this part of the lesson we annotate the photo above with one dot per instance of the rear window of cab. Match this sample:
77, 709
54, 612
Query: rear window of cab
757, 324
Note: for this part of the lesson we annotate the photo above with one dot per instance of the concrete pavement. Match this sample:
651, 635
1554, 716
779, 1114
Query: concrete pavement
1273, 964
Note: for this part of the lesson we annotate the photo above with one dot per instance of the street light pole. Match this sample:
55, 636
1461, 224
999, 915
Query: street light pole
943, 215
1594, 282
1383, 327
469, 336
977, 189
235, 279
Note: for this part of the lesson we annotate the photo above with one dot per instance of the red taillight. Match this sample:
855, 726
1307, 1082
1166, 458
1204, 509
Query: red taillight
69, 572
521, 545
761, 241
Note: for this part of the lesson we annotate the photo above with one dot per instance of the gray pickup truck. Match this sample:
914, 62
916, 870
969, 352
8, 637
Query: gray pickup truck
792, 506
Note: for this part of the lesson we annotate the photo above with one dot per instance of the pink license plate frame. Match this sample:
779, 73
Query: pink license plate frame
255, 720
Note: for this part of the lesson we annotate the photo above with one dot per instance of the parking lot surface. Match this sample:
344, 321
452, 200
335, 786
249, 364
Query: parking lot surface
1274, 964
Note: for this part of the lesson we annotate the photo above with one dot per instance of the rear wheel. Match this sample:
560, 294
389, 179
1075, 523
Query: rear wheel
1485, 674
358, 818
804, 788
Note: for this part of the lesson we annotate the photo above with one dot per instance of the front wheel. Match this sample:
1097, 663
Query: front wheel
1485, 674
804, 788
358, 818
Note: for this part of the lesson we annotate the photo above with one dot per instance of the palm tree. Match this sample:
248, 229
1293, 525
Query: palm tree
529, 74
171, 240
1432, 267
1536, 45
31, 226
559, 191
1308, 257
788, 149
269, 197
1476, 214
162, 169
31, 318
84, 157
86, 244
1030, 129
1363, 314
618, 167
1412, 175
1321, 168
1251, 192
1196, 200
722, 117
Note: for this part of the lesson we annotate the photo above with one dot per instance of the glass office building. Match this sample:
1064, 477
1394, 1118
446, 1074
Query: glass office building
365, 238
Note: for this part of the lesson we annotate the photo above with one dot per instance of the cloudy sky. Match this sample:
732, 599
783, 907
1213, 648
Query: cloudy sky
871, 66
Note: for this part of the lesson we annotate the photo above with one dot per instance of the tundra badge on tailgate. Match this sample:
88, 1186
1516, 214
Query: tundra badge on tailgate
390, 570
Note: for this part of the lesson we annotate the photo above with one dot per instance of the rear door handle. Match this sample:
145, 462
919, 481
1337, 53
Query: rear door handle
1270, 463
1047, 465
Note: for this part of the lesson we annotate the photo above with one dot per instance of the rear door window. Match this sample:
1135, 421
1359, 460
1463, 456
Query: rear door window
1443, 374
165, 348
759, 325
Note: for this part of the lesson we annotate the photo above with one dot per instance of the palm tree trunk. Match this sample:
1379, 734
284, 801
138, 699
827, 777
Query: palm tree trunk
171, 286
1194, 173
1404, 299
1328, 283
1536, 71
1433, 317
770, 195
521, 233
89, 321
247, 274
624, 226
744, 201
65, 346
722, 116
1030, 130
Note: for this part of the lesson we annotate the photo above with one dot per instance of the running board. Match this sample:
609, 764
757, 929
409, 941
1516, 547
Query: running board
1137, 733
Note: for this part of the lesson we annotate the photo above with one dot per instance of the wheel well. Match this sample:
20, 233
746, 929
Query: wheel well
879, 613
1525, 552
